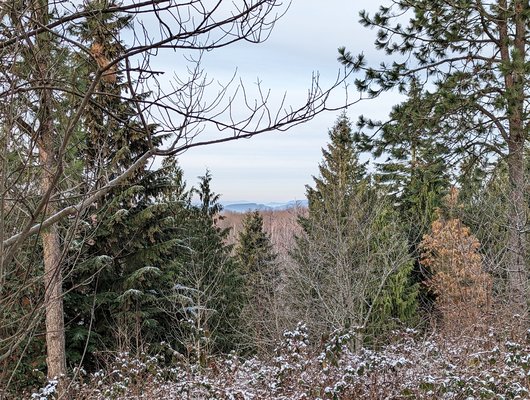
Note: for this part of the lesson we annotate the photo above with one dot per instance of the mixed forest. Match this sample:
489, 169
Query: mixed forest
406, 276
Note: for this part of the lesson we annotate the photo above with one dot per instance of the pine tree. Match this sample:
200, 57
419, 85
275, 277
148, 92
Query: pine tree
470, 57
351, 247
259, 264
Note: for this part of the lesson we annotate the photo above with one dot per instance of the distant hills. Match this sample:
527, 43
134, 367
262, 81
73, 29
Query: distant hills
241, 207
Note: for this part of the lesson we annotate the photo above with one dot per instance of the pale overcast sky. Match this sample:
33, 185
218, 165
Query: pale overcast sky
277, 166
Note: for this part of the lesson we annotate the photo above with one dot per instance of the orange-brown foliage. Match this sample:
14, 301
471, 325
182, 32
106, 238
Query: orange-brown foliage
462, 287
98, 52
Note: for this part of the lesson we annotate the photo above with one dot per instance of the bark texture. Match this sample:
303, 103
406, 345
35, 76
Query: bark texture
53, 280
51, 169
515, 95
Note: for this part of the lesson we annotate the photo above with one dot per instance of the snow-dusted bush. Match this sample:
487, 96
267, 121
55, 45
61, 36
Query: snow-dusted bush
411, 367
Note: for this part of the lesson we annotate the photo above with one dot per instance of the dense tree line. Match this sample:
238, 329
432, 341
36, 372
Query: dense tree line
149, 271
95, 246
102, 254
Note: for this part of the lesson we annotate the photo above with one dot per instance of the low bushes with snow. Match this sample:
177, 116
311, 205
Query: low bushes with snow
485, 366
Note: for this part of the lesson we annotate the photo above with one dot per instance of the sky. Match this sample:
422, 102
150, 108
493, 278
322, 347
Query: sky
275, 167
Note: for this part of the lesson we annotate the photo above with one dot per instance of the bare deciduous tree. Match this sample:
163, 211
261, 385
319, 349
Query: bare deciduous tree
46, 88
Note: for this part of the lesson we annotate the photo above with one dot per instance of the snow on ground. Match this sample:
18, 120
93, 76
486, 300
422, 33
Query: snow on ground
482, 366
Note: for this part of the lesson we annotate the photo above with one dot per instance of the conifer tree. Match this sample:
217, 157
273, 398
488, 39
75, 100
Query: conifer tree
254, 250
415, 170
120, 267
470, 59
156, 270
259, 264
120, 287
209, 281
414, 173
350, 247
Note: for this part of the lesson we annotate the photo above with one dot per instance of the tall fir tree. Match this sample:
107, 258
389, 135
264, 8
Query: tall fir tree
107, 256
351, 250
414, 172
415, 169
124, 254
209, 281
260, 267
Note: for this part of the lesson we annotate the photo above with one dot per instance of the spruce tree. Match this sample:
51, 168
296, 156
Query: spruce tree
259, 264
254, 249
108, 256
414, 173
209, 281
351, 249
120, 286
415, 170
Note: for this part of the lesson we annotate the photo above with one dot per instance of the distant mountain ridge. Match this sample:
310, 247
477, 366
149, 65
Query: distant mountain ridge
244, 206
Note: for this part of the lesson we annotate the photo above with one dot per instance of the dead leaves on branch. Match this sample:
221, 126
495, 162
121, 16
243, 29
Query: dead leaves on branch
462, 287
98, 52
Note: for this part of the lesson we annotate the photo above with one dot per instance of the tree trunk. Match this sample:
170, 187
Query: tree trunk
517, 247
53, 280
515, 91
56, 358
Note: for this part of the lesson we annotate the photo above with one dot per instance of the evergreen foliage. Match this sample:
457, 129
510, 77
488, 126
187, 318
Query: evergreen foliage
415, 172
352, 252
260, 266
483, 203
116, 287
119, 286
254, 250
210, 280
155, 270
464, 66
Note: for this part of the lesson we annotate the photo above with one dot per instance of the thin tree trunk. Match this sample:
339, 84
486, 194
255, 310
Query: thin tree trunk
55, 360
517, 251
515, 90
53, 279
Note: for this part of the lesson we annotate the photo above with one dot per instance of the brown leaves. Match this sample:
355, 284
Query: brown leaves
98, 52
462, 288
